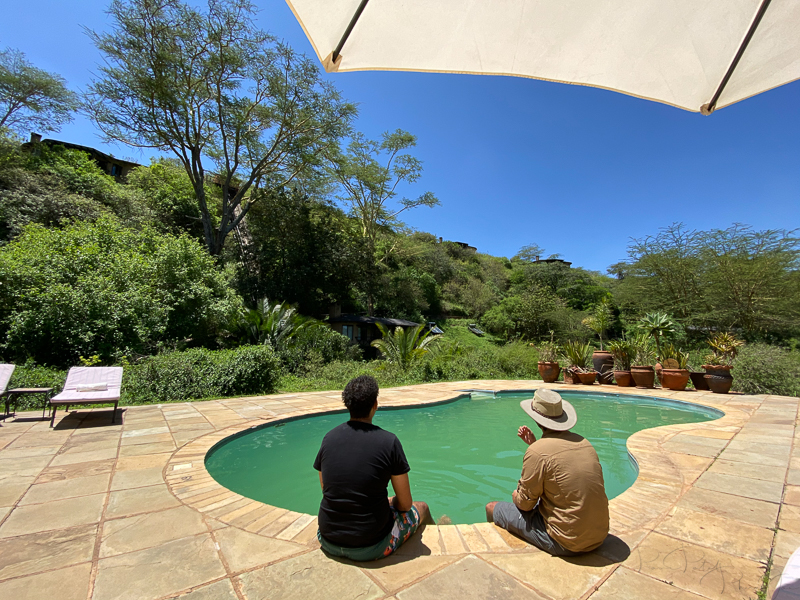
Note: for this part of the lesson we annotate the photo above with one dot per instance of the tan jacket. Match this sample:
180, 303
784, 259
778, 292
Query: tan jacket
561, 471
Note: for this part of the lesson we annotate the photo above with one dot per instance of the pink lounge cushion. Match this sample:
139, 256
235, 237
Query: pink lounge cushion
80, 377
5, 376
78, 397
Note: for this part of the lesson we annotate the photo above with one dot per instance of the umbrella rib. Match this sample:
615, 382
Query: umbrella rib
349, 29
707, 109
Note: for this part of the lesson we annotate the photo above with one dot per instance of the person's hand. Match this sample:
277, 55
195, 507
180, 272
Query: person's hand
526, 435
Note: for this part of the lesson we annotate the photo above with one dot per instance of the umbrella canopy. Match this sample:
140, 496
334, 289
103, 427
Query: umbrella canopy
696, 55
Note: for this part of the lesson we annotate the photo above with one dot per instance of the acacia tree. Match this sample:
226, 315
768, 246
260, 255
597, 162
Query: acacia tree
369, 173
666, 271
723, 278
214, 90
31, 98
751, 277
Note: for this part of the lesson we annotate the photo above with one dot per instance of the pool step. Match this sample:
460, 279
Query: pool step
437, 539
463, 539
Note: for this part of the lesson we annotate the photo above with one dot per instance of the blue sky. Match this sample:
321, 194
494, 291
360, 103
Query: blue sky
577, 170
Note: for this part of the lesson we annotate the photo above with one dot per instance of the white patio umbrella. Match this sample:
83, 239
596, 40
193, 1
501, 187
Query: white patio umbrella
698, 55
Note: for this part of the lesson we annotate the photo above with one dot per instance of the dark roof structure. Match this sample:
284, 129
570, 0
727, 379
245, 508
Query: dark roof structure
361, 320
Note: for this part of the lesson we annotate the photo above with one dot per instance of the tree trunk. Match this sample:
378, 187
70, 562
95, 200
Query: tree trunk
208, 227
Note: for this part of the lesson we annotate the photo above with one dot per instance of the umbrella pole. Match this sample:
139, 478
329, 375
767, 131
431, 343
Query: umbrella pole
707, 109
349, 29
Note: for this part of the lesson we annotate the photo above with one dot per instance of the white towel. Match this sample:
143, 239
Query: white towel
92, 387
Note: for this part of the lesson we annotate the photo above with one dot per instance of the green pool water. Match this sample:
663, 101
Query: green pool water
463, 454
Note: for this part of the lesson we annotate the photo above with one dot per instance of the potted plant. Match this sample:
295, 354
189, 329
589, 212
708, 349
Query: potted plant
599, 321
674, 372
643, 357
698, 379
622, 352
724, 348
548, 365
657, 324
577, 356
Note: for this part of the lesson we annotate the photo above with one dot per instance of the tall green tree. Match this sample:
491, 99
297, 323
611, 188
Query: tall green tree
665, 272
369, 173
751, 278
304, 251
170, 196
32, 98
219, 94
719, 279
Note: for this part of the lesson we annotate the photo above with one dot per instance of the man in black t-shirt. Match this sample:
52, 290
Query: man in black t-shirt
356, 461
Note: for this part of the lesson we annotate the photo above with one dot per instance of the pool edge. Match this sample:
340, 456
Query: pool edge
632, 510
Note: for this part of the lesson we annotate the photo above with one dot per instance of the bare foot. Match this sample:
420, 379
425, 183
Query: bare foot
444, 520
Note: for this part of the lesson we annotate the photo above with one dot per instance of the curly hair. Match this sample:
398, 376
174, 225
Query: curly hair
359, 396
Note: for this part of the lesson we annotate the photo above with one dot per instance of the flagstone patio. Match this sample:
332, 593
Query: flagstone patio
96, 511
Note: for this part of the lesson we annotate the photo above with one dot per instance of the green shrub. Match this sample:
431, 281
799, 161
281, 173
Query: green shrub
516, 360
101, 288
765, 369
200, 373
335, 375
316, 346
31, 375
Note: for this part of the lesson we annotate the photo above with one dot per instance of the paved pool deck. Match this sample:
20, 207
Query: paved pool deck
96, 511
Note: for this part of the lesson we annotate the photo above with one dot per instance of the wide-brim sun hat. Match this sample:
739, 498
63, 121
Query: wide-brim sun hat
550, 410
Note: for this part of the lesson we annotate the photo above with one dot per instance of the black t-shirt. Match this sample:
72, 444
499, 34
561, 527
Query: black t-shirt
357, 460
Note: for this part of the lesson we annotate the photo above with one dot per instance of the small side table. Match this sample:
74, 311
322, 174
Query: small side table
13, 395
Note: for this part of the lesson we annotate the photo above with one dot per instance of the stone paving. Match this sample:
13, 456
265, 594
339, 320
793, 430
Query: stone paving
96, 511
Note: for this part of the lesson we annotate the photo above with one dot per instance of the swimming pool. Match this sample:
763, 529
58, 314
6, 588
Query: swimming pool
463, 453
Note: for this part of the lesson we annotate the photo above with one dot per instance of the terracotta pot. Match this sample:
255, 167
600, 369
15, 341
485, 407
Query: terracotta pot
603, 362
658, 368
698, 381
623, 378
675, 379
549, 371
644, 376
718, 378
570, 377
587, 378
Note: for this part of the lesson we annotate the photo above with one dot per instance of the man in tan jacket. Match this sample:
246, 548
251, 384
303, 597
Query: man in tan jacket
560, 503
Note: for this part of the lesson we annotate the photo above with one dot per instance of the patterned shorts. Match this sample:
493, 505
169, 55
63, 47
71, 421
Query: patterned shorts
405, 523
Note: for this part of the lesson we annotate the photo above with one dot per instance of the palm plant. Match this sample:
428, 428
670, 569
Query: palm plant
404, 346
274, 324
600, 320
577, 355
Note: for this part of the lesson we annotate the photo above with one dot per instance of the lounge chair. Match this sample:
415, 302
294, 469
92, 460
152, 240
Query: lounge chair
89, 385
5, 376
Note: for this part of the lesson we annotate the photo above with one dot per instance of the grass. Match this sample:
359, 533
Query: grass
456, 330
